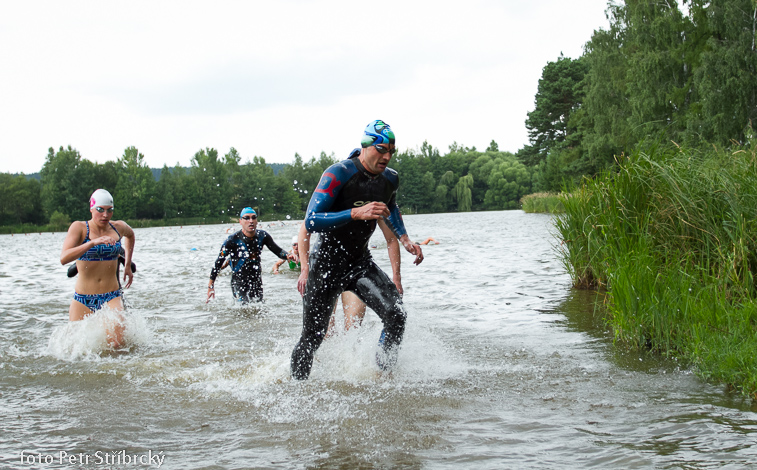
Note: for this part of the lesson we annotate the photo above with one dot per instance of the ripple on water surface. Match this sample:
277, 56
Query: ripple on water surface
502, 366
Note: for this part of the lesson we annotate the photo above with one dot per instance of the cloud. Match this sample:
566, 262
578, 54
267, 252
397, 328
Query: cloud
273, 78
233, 89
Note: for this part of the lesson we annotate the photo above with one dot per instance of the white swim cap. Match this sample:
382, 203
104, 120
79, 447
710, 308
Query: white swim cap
294, 239
100, 197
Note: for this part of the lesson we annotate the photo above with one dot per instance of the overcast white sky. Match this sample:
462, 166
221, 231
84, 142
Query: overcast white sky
273, 78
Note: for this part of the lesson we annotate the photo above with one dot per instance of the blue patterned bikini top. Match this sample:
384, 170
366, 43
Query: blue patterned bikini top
102, 252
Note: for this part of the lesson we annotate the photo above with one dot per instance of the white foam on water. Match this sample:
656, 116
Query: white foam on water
346, 361
88, 338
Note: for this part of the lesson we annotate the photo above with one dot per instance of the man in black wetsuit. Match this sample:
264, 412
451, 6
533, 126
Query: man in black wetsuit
244, 248
351, 196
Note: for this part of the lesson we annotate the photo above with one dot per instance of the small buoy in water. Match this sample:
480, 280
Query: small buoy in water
193, 249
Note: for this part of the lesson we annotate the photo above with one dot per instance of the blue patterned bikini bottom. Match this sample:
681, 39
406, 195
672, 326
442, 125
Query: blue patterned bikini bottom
96, 301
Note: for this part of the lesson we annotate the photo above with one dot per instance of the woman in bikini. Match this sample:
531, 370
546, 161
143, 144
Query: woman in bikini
96, 245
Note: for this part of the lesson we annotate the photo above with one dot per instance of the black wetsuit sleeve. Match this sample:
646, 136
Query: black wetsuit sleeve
275, 249
224, 253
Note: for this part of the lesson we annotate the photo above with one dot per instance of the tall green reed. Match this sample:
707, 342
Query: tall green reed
671, 234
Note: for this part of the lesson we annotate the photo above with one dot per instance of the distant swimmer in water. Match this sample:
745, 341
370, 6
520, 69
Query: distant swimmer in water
354, 308
294, 258
427, 241
244, 248
96, 245
351, 196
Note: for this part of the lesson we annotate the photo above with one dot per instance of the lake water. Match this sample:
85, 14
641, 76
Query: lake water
503, 366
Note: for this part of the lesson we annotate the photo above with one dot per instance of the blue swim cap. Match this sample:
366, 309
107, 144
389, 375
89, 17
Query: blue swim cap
247, 210
377, 132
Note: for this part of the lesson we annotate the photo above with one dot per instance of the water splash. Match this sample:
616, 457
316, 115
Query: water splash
88, 338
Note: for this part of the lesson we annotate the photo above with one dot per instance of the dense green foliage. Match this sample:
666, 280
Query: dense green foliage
689, 76
20, 201
215, 188
685, 75
672, 236
462, 180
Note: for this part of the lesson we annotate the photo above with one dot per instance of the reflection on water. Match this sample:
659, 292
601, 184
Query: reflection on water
503, 366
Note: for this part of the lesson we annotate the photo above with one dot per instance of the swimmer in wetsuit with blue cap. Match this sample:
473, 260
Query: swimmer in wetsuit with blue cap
354, 308
350, 198
243, 249
96, 245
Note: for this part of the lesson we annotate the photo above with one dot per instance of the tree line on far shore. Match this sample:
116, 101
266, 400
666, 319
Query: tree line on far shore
663, 71
216, 187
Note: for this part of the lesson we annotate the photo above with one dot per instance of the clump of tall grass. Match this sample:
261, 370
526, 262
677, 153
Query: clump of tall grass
542, 202
672, 236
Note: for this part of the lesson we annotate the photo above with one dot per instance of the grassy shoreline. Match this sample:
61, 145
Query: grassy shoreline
672, 236
542, 202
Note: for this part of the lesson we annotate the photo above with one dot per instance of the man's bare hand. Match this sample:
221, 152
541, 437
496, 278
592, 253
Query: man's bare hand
397, 280
412, 248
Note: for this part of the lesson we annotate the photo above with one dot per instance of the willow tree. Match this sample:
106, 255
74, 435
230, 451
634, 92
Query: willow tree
508, 182
462, 193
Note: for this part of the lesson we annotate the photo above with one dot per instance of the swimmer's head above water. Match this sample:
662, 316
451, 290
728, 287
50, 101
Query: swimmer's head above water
101, 206
248, 219
376, 133
100, 198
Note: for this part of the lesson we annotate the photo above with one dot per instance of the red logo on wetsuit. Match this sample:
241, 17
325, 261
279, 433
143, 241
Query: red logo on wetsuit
332, 184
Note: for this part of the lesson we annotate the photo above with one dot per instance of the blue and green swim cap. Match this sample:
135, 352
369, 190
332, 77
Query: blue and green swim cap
247, 210
377, 132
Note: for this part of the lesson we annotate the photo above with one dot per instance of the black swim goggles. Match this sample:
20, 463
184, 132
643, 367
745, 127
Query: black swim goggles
383, 150
102, 209
249, 217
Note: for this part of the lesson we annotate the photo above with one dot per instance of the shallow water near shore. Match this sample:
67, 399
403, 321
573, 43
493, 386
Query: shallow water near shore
503, 365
